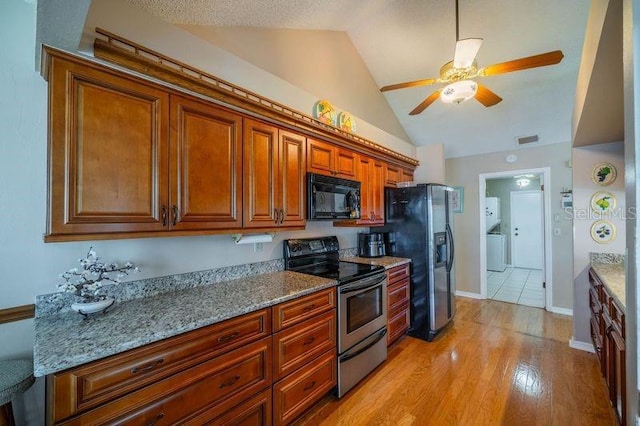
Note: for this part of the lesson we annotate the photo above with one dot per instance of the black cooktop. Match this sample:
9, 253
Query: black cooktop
343, 272
319, 256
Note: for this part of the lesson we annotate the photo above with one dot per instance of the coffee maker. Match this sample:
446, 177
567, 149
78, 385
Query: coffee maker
371, 244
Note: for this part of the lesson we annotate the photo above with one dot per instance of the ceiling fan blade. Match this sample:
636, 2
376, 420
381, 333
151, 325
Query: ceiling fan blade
486, 97
544, 59
432, 97
424, 82
466, 51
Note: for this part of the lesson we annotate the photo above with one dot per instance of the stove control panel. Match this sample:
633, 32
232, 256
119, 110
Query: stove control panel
310, 246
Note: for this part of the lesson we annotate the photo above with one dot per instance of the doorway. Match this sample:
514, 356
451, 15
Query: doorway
515, 251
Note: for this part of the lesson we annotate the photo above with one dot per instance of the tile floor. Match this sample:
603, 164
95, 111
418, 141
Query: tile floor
516, 285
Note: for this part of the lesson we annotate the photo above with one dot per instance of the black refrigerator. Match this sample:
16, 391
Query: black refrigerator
419, 221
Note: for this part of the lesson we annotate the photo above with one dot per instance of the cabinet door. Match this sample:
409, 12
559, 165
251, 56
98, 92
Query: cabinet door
108, 164
377, 190
393, 175
346, 163
320, 157
407, 176
364, 176
206, 166
619, 376
292, 172
260, 175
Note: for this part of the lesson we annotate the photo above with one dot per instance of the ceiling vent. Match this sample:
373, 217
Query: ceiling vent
527, 139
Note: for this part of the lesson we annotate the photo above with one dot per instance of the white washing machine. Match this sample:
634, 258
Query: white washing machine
496, 252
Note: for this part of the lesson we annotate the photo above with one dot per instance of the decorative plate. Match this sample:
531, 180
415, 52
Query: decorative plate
325, 112
604, 174
346, 122
603, 231
603, 202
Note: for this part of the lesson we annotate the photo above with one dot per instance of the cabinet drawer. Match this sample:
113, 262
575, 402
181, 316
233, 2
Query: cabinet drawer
211, 387
300, 390
87, 386
252, 412
297, 310
398, 325
617, 316
398, 273
398, 293
594, 301
298, 345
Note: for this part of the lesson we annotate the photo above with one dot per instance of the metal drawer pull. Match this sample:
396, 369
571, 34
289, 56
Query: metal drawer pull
164, 215
229, 382
228, 337
175, 214
156, 420
148, 367
309, 386
309, 307
309, 341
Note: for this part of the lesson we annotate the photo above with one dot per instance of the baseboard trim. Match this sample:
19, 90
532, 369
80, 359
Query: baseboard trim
562, 311
468, 294
587, 347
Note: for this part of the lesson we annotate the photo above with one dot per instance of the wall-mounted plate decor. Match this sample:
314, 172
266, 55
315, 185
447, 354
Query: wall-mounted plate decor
325, 112
346, 122
603, 231
604, 174
603, 202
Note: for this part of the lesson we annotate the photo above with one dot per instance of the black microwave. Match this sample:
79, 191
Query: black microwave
330, 198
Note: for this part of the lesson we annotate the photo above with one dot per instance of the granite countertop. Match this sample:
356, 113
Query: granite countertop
610, 270
387, 261
67, 340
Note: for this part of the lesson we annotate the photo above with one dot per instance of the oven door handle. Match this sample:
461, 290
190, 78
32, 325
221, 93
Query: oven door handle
363, 284
348, 356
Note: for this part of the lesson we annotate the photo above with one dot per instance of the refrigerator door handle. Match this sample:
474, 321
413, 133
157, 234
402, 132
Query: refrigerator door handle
451, 248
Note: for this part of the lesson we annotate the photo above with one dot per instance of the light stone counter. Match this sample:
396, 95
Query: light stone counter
387, 261
610, 270
66, 340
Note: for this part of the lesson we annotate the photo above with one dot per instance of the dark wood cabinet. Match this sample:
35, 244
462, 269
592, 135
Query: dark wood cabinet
607, 326
331, 160
206, 166
274, 176
398, 320
108, 152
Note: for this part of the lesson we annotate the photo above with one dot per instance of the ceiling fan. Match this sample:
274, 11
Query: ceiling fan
460, 72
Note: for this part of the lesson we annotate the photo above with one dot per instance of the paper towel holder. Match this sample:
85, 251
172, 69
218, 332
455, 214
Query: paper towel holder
253, 238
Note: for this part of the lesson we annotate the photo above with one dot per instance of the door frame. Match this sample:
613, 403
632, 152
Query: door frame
511, 240
547, 267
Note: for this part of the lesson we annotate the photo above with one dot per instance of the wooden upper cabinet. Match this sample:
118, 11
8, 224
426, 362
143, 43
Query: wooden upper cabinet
331, 160
108, 155
206, 166
395, 174
274, 171
292, 173
371, 174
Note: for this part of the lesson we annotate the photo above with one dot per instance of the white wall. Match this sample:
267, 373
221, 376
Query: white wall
431, 168
465, 171
584, 159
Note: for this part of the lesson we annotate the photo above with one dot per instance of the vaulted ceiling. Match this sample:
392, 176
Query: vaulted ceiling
404, 40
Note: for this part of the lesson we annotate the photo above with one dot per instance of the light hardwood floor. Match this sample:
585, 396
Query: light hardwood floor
498, 364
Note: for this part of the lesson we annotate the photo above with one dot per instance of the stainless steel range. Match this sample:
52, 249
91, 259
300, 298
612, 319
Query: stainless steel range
362, 305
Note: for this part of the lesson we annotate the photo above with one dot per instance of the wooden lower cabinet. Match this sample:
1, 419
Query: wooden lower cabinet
294, 394
607, 326
305, 360
206, 390
220, 374
398, 319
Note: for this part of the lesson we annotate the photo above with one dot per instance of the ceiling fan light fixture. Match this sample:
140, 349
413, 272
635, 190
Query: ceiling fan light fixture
459, 91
